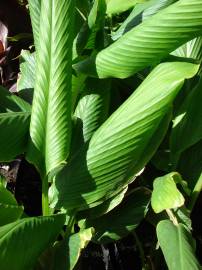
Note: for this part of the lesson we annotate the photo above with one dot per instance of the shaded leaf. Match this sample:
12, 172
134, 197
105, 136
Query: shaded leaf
187, 126
93, 105
124, 218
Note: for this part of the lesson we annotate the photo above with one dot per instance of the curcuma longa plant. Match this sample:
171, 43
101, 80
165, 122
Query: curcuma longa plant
88, 145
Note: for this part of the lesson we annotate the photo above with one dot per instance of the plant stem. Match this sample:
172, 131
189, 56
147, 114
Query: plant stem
172, 217
195, 193
45, 202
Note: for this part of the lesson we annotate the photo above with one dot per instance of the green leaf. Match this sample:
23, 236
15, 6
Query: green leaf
177, 245
165, 194
26, 81
118, 6
124, 143
12, 103
120, 221
22, 242
9, 209
149, 42
93, 106
187, 126
14, 128
50, 127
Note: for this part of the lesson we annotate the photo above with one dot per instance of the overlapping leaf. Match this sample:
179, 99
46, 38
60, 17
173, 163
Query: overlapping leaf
149, 42
122, 146
50, 128
22, 242
177, 245
123, 219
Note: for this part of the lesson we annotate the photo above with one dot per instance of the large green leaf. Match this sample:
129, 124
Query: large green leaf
14, 128
118, 6
119, 222
22, 242
165, 194
50, 127
187, 126
177, 245
9, 209
149, 42
126, 141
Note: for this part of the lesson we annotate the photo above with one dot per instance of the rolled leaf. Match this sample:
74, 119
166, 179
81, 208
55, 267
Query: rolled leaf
50, 127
